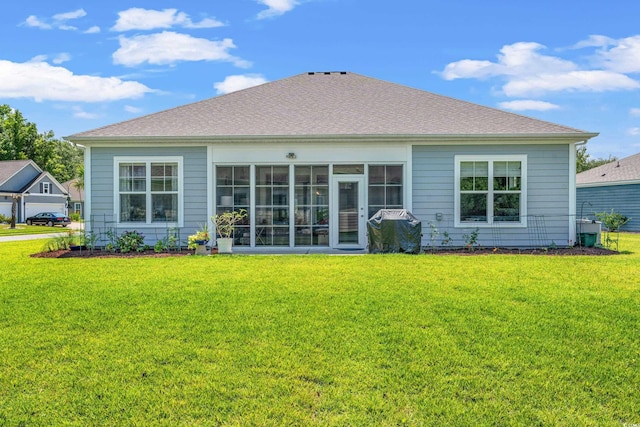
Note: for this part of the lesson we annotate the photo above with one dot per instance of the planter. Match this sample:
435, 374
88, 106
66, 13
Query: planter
201, 249
225, 245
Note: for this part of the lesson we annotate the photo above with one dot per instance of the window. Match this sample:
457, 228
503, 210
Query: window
148, 190
272, 205
385, 188
45, 188
311, 209
232, 194
490, 190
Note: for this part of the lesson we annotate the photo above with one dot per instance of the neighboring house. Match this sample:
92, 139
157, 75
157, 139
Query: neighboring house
37, 191
313, 156
76, 197
615, 185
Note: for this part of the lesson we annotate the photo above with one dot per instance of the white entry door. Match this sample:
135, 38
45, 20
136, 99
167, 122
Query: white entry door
348, 229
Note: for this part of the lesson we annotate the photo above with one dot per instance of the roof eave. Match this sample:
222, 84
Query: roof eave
570, 137
607, 183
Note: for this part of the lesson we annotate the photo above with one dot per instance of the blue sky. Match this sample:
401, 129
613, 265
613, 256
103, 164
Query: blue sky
71, 66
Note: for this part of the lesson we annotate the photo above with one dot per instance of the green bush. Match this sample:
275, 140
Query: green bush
74, 216
5, 219
130, 241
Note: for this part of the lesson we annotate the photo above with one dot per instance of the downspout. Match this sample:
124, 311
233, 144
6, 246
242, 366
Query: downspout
572, 191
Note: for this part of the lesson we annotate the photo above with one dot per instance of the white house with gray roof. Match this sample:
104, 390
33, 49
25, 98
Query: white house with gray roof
313, 156
615, 185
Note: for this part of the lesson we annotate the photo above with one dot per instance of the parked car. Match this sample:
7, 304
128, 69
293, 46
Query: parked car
49, 218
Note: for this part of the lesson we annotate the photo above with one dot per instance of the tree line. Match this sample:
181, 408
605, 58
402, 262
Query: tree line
21, 140
585, 162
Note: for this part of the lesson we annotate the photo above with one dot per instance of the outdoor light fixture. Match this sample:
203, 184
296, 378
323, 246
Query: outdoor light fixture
291, 155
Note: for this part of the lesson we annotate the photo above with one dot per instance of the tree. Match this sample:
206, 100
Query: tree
583, 161
20, 140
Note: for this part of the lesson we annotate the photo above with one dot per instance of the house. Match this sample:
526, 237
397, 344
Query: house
313, 156
35, 191
76, 197
615, 185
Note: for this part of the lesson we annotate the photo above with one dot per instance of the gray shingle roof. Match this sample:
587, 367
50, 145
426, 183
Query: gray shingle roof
324, 104
74, 193
627, 169
9, 167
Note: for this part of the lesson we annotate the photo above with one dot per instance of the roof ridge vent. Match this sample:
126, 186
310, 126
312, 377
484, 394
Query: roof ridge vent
326, 73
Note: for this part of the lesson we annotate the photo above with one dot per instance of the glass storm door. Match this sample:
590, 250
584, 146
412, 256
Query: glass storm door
348, 211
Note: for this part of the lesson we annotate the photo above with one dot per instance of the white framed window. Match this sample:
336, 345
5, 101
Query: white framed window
491, 190
46, 188
385, 187
148, 190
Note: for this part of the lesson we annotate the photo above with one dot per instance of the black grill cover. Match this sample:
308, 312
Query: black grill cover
394, 231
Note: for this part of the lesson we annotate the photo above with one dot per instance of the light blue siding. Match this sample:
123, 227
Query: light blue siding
624, 199
547, 194
195, 188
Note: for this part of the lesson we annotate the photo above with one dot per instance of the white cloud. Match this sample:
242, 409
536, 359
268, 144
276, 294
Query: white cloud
574, 81
622, 56
169, 47
132, 109
529, 73
58, 20
635, 112
38, 58
147, 19
33, 21
238, 82
81, 114
634, 131
527, 104
44, 82
60, 58
276, 7
594, 41
70, 15
93, 30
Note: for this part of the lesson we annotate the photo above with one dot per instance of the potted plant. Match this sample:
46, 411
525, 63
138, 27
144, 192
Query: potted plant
199, 240
225, 224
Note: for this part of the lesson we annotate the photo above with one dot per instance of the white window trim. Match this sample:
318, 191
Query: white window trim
148, 160
46, 187
522, 158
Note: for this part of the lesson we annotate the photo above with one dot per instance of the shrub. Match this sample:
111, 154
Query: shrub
613, 221
130, 241
5, 219
74, 217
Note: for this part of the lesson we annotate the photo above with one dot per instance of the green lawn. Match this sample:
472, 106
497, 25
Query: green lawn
379, 340
22, 229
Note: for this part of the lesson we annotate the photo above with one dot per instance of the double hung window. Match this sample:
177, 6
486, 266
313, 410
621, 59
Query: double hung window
491, 190
148, 190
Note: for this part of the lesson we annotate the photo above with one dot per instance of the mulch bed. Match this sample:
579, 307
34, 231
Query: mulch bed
449, 251
104, 254
576, 250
